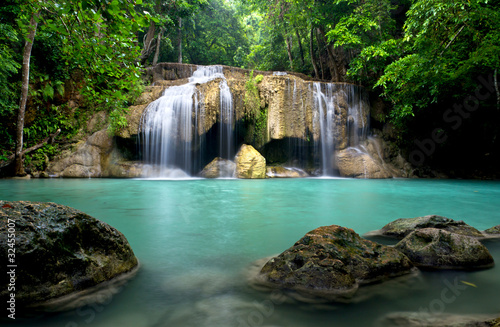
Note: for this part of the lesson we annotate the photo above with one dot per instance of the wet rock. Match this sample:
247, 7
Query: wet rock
421, 319
250, 163
60, 251
219, 168
284, 172
352, 162
493, 232
403, 226
439, 249
332, 262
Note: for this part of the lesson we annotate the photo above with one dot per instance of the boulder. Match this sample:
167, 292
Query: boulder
439, 249
89, 159
59, 251
420, 319
355, 163
250, 163
403, 226
331, 263
284, 172
219, 168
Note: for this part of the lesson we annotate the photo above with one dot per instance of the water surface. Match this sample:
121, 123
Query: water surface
195, 240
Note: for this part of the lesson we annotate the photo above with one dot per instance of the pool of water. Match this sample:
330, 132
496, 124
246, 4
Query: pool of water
196, 240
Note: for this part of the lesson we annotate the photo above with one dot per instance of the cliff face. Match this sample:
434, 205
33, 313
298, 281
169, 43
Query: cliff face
319, 127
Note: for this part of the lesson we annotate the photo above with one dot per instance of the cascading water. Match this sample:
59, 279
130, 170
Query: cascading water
170, 140
328, 120
324, 102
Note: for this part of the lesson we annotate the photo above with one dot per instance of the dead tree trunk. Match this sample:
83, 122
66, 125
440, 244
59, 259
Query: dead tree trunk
28, 45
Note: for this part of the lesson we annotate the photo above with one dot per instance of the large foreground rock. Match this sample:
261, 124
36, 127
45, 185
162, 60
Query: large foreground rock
332, 262
59, 251
439, 249
404, 226
250, 163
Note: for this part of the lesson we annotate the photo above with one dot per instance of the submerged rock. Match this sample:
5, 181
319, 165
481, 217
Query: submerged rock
219, 168
404, 226
331, 262
420, 319
250, 163
439, 249
59, 251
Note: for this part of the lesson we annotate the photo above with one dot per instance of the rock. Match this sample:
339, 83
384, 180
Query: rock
439, 249
352, 162
88, 160
331, 262
284, 172
492, 232
219, 168
403, 226
60, 251
421, 319
250, 163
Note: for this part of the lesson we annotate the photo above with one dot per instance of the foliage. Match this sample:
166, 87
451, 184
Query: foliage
445, 44
214, 35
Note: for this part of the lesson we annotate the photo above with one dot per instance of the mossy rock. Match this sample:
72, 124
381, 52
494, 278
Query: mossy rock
331, 262
439, 249
60, 251
401, 227
493, 231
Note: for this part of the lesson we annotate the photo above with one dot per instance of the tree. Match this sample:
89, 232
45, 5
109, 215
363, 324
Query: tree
28, 45
445, 44
85, 31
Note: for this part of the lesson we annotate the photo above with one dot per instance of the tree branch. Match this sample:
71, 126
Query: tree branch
49, 139
453, 39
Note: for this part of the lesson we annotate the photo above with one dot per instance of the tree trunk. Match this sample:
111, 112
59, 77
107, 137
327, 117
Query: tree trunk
311, 51
319, 53
28, 45
333, 65
157, 52
179, 36
496, 88
289, 50
300, 47
147, 50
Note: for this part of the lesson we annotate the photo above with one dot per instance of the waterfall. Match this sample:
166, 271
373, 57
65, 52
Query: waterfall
328, 119
324, 102
169, 135
226, 137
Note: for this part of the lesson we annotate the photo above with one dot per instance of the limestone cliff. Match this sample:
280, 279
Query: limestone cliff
301, 123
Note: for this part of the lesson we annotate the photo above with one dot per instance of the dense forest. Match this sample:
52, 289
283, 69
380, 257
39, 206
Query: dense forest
431, 65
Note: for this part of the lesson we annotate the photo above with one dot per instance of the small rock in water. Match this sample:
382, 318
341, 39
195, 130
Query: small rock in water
403, 226
439, 249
